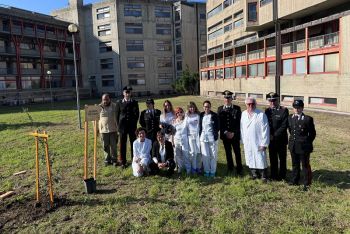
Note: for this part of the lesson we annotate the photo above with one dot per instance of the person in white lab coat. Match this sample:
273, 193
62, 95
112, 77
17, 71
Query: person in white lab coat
180, 142
142, 153
255, 135
209, 134
192, 120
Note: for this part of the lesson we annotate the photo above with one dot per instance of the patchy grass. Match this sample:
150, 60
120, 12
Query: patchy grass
225, 204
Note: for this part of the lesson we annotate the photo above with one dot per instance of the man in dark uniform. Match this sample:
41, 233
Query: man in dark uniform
149, 119
127, 117
302, 134
230, 122
278, 122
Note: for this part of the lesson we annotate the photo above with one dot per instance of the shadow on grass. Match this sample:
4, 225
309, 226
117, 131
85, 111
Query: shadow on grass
340, 179
4, 126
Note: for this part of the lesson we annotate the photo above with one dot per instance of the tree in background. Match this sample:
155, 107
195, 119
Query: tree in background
188, 83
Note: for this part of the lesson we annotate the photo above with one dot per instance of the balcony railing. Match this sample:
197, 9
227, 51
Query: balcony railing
240, 57
31, 71
29, 52
203, 65
271, 51
324, 40
228, 60
293, 47
256, 54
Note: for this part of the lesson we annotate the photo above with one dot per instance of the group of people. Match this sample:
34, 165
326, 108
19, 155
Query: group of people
187, 140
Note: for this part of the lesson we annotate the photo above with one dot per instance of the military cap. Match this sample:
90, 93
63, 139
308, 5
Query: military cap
298, 103
127, 88
150, 101
272, 96
227, 94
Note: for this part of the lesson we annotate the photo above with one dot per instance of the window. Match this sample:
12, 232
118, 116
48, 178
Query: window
227, 3
103, 13
228, 19
107, 80
134, 45
136, 62
177, 32
229, 72
106, 63
204, 75
163, 29
163, 45
215, 11
253, 70
178, 49
300, 65
165, 62
261, 69
316, 63
238, 14
105, 46
271, 68
202, 16
252, 12
162, 11
323, 101
241, 71
179, 65
332, 62
165, 78
264, 2
215, 26
104, 30
219, 73
211, 74
133, 28
228, 28
288, 67
215, 34
137, 79
177, 15
227, 44
134, 10
238, 23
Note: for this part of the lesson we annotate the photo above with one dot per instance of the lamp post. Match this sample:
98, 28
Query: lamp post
278, 48
73, 28
49, 74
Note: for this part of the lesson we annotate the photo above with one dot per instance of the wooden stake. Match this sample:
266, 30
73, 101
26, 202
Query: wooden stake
86, 150
48, 170
20, 173
95, 147
7, 194
37, 167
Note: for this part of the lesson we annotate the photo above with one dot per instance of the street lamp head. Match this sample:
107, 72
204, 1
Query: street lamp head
48, 72
73, 28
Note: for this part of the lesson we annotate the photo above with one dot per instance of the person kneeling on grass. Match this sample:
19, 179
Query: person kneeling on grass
142, 153
162, 155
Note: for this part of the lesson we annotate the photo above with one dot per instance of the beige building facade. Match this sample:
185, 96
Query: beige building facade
144, 44
315, 38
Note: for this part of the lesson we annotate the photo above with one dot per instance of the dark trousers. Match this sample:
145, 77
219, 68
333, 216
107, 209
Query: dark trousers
169, 170
278, 155
229, 145
259, 173
305, 163
123, 139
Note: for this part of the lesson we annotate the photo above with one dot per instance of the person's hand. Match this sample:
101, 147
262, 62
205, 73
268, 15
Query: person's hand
262, 148
161, 165
229, 135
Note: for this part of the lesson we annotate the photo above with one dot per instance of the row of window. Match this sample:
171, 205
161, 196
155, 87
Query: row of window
317, 64
134, 28
137, 79
136, 45
135, 10
225, 29
220, 8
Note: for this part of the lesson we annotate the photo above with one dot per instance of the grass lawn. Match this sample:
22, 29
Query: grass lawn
225, 204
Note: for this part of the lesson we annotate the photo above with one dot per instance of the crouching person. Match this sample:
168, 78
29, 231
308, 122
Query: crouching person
162, 156
141, 153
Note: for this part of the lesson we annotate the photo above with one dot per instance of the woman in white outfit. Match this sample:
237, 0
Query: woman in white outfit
192, 122
255, 134
167, 118
209, 134
142, 153
180, 142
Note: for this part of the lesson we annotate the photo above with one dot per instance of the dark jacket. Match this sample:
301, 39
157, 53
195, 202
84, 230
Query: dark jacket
150, 122
169, 151
215, 123
230, 121
302, 134
278, 122
127, 115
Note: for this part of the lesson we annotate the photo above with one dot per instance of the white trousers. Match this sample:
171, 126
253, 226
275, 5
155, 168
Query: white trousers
136, 167
195, 154
182, 157
209, 156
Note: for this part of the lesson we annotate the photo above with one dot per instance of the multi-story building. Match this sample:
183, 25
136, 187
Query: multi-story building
31, 44
315, 38
144, 44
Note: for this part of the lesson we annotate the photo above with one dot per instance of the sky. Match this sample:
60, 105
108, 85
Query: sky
44, 6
